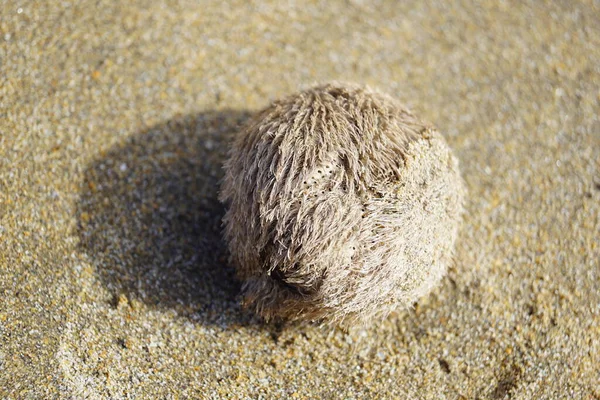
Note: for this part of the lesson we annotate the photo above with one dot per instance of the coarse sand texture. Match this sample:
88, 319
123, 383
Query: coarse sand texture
342, 206
117, 117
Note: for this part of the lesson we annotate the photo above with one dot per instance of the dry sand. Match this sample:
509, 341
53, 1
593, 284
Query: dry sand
114, 120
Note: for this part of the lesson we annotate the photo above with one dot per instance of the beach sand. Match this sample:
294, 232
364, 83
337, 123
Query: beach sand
115, 118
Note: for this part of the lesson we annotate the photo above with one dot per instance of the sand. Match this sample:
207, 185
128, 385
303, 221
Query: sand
115, 119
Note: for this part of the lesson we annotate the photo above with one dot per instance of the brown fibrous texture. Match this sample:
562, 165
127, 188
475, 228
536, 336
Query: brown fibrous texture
342, 206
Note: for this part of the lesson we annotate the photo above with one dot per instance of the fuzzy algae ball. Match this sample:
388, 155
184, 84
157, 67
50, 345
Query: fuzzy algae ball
342, 206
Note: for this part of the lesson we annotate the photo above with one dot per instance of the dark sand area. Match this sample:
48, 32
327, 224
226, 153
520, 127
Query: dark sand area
114, 122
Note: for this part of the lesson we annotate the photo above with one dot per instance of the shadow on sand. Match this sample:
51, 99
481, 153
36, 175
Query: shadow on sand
150, 220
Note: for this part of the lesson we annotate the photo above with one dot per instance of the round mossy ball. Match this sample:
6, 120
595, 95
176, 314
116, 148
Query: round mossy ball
342, 206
